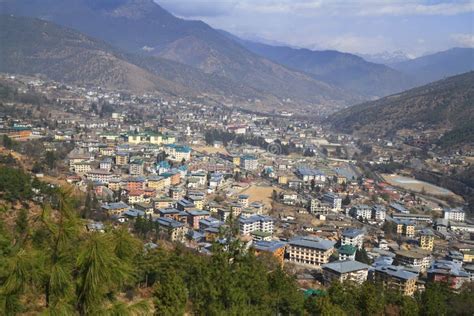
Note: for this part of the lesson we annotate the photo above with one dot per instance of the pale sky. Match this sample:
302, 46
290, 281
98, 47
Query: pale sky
415, 27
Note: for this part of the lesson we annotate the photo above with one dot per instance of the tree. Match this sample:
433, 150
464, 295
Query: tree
346, 201
361, 256
8, 143
21, 223
170, 294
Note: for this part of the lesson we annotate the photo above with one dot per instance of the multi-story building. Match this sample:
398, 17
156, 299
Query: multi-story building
310, 250
121, 159
341, 271
320, 208
333, 199
174, 230
82, 167
426, 239
115, 208
379, 212
405, 227
156, 182
347, 252
353, 237
256, 222
418, 258
454, 214
100, 175
194, 216
249, 162
449, 272
178, 152
395, 278
276, 248
244, 200
361, 212
136, 167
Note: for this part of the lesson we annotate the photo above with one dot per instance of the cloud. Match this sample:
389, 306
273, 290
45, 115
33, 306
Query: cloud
198, 8
465, 40
210, 8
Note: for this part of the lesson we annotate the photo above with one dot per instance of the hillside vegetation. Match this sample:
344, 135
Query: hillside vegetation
445, 104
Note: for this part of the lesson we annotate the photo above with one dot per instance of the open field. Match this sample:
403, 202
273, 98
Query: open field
412, 184
260, 193
210, 150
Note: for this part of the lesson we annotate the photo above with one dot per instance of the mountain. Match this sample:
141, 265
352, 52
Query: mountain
440, 65
143, 26
34, 46
386, 58
344, 70
445, 104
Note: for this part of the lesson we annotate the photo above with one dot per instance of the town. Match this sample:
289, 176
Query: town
328, 207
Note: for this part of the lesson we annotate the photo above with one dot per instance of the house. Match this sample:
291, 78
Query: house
353, 237
115, 208
106, 164
257, 222
174, 230
319, 208
136, 167
395, 278
449, 272
121, 159
312, 251
417, 218
178, 152
307, 175
276, 248
343, 271
156, 182
135, 183
100, 175
244, 200
398, 208
184, 205
258, 235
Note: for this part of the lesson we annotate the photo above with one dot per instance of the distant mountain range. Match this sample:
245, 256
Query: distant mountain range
446, 104
437, 66
386, 58
139, 45
344, 70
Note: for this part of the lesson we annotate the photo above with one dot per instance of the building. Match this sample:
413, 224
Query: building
342, 271
308, 175
449, 272
244, 200
178, 152
347, 252
195, 216
262, 223
353, 237
395, 278
276, 248
319, 208
379, 212
361, 212
426, 239
312, 251
333, 199
417, 218
418, 258
249, 162
115, 208
121, 159
405, 228
136, 167
100, 175
454, 214
174, 230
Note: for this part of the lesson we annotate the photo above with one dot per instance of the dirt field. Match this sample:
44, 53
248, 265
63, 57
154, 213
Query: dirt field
416, 185
259, 193
210, 150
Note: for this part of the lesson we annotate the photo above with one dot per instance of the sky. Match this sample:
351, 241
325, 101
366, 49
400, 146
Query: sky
415, 27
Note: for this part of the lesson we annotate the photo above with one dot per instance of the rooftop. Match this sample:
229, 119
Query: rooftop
345, 266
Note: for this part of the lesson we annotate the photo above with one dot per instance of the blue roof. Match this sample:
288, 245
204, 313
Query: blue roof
198, 213
133, 213
255, 218
168, 222
306, 171
312, 242
448, 267
345, 266
268, 245
115, 206
396, 272
352, 232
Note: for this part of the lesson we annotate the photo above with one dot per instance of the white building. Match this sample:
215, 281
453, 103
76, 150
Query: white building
353, 237
379, 212
249, 162
362, 211
334, 200
256, 222
341, 271
320, 208
454, 214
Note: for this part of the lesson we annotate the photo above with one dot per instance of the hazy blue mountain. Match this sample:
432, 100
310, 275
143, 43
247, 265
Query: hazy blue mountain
344, 70
439, 65
386, 58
